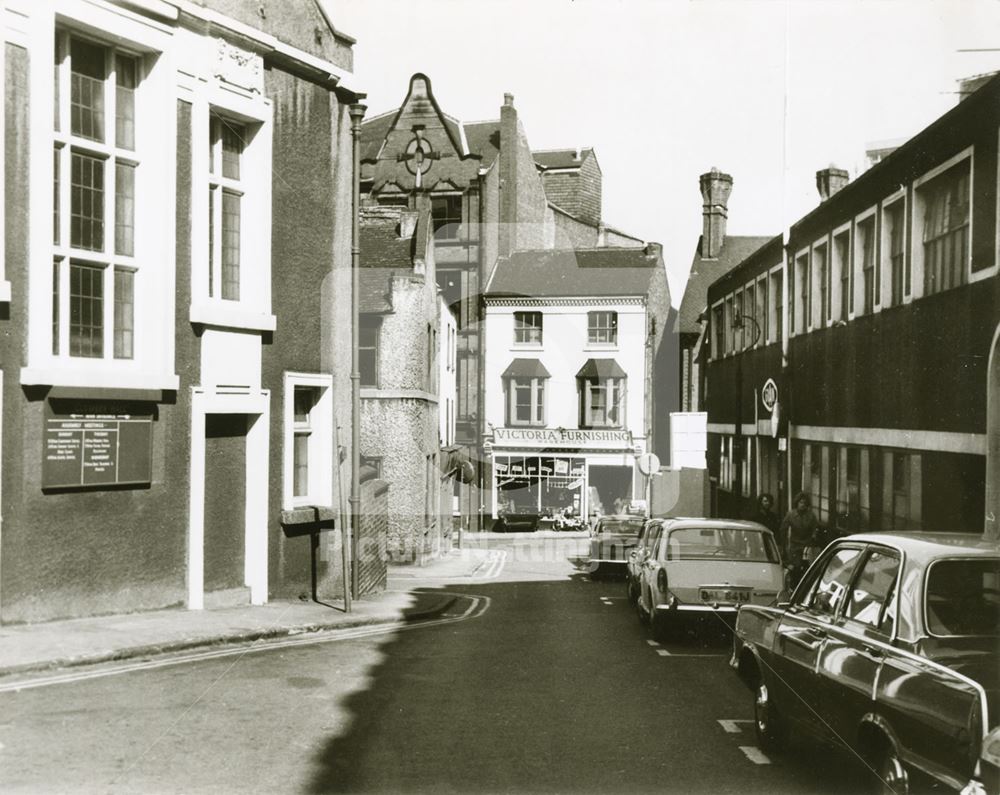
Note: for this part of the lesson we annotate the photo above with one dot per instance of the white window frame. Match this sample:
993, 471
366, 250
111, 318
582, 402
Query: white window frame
818, 283
152, 362
717, 310
773, 310
541, 328
889, 203
762, 286
802, 314
837, 270
616, 386
321, 453
253, 309
917, 227
858, 260
538, 407
615, 328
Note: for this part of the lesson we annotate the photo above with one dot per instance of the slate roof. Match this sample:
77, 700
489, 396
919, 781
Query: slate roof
579, 273
560, 158
373, 133
735, 249
483, 139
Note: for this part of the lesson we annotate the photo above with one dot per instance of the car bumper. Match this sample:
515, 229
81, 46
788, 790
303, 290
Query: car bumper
699, 608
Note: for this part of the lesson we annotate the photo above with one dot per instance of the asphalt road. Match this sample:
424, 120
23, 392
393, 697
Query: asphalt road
538, 680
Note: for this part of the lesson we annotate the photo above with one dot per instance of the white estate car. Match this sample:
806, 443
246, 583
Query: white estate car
705, 567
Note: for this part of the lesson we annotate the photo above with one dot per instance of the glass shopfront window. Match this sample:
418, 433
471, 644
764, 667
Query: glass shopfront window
543, 485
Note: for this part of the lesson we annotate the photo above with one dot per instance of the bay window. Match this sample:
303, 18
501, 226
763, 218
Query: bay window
525, 400
602, 402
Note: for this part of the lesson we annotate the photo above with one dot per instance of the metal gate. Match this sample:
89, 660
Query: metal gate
371, 543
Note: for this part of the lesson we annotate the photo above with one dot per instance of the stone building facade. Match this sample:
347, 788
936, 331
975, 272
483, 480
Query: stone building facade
172, 368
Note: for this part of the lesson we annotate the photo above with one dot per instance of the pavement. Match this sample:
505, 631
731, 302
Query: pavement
51, 645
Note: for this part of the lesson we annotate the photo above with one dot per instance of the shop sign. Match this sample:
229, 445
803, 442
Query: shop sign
545, 437
96, 450
769, 394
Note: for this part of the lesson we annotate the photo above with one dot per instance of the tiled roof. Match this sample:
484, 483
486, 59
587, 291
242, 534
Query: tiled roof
483, 139
735, 249
565, 272
376, 288
381, 246
373, 132
560, 158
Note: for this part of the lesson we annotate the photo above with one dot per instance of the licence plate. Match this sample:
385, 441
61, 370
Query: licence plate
727, 595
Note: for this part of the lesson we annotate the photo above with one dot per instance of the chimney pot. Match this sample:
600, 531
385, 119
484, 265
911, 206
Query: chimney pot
654, 250
830, 180
508, 99
715, 189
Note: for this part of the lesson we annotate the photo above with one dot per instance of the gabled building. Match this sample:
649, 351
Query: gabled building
874, 390
574, 338
176, 275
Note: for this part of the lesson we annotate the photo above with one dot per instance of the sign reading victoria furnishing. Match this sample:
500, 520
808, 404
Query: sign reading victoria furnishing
554, 437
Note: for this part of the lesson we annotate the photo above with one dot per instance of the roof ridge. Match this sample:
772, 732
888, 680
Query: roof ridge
482, 121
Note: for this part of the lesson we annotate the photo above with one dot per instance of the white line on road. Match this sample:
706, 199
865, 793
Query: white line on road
652, 643
663, 652
754, 754
477, 607
730, 725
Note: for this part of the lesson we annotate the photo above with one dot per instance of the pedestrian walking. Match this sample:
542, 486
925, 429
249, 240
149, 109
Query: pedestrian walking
765, 514
799, 531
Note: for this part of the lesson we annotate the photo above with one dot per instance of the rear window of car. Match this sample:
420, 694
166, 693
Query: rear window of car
963, 597
623, 527
712, 543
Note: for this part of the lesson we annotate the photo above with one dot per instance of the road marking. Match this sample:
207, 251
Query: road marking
730, 725
652, 643
663, 653
754, 754
675, 655
477, 607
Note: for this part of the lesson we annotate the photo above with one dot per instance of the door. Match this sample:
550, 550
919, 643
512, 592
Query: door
225, 502
852, 656
801, 634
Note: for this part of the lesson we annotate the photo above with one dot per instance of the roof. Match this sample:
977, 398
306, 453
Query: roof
483, 139
376, 288
703, 272
576, 273
526, 368
373, 133
561, 158
601, 368
923, 547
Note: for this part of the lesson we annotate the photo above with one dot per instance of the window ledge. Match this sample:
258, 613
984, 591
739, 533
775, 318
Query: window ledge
97, 377
373, 393
232, 317
4, 291
601, 346
526, 346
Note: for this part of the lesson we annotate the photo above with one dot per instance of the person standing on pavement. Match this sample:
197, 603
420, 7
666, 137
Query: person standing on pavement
798, 530
765, 514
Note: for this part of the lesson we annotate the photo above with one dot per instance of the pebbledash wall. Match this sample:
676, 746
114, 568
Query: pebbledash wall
149, 367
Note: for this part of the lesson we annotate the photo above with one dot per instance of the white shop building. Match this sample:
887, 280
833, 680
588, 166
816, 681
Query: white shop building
570, 344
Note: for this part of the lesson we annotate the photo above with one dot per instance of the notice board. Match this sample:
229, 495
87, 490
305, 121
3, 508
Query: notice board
96, 447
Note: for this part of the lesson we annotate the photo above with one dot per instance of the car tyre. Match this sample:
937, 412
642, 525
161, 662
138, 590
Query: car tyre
630, 593
641, 611
893, 778
768, 724
662, 626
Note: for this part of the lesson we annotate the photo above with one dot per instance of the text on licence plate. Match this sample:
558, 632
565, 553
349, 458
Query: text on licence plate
737, 595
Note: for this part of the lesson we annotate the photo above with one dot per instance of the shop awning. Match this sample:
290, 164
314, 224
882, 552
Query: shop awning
601, 368
526, 368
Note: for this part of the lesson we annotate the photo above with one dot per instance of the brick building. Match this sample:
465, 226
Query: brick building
858, 370
176, 275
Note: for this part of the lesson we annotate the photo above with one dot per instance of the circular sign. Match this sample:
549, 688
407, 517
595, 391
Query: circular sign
648, 464
769, 394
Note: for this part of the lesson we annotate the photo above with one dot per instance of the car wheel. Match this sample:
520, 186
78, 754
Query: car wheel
767, 722
643, 615
893, 778
630, 591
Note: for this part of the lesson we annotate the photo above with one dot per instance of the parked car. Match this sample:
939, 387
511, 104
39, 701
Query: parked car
611, 542
889, 645
637, 557
706, 567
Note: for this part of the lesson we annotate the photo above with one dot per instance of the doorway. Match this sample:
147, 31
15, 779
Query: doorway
613, 485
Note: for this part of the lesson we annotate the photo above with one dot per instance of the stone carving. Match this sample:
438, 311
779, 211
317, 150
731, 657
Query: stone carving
239, 67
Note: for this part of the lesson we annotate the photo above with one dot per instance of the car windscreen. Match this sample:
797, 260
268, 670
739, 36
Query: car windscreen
621, 526
963, 597
714, 543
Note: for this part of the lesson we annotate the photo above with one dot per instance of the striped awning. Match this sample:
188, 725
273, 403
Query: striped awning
601, 368
526, 368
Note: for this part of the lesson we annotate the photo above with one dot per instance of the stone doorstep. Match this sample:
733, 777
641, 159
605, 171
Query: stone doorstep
221, 639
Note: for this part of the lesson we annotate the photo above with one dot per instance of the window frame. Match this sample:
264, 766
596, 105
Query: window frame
801, 304
889, 205
370, 321
448, 219
537, 405
538, 330
841, 274
611, 328
917, 253
776, 304
320, 444
611, 387
891, 597
858, 246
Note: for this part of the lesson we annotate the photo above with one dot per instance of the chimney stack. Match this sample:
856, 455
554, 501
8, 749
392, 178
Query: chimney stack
715, 190
508, 175
830, 180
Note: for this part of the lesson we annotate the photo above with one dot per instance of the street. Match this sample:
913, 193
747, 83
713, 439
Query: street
536, 679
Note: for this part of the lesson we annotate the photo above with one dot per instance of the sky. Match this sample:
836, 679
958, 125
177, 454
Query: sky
767, 91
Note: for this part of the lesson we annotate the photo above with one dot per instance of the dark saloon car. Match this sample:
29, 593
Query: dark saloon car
890, 645
612, 540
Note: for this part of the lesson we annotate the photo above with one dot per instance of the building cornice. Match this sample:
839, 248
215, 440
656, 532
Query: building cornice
630, 300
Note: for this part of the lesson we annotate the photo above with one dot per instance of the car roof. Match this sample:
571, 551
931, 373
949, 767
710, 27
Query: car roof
621, 517
925, 546
702, 522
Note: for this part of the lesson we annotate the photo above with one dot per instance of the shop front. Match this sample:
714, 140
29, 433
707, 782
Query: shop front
542, 478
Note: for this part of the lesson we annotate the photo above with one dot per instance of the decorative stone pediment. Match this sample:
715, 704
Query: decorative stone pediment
239, 67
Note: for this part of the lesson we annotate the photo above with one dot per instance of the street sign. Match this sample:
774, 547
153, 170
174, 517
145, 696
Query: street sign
648, 463
769, 394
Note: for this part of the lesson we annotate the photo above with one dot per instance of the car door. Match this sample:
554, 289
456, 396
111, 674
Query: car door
633, 567
649, 567
802, 631
857, 640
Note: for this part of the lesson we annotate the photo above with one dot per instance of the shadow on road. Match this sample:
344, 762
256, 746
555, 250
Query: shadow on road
554, 689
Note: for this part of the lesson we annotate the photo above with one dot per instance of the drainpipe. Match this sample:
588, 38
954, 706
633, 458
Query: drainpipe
357, 111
